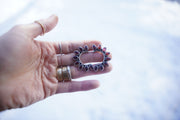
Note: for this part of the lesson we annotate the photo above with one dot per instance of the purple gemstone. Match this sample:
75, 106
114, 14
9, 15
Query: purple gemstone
105, 64
104, 49
101, 67
76, 52
99, 47
80, 67
76, 63
94, 47
107, 58
86, 48
96, 68
79, 64
86, 68
107, 53
91, 67
80, 49
75, 58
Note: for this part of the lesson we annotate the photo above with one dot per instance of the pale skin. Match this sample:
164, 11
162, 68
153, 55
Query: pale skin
28, 67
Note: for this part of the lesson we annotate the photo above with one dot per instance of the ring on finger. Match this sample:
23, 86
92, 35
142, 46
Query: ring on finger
42, 26
64, 74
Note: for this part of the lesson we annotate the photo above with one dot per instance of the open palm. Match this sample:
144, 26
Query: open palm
28, 67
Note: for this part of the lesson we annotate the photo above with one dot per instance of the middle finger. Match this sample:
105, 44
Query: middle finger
66, 59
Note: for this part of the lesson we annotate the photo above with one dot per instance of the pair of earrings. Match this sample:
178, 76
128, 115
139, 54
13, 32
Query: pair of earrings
87, 67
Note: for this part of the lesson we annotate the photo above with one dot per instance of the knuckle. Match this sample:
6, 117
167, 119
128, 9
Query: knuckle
69, 47
18, 28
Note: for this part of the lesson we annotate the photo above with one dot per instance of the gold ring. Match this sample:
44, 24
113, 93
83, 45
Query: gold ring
59, 75
42, 26
64, 74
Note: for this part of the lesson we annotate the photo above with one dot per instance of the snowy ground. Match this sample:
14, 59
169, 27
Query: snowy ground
144, 38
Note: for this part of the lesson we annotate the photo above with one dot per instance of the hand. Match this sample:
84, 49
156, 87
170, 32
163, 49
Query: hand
28, 67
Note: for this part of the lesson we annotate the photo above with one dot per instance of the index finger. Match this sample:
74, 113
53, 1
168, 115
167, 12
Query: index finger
66, 47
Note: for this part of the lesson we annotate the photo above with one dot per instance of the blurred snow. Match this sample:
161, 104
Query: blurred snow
144, 38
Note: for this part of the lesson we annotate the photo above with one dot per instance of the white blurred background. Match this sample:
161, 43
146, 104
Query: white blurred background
142, 35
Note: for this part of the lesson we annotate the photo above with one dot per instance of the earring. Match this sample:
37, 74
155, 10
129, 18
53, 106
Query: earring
86, 67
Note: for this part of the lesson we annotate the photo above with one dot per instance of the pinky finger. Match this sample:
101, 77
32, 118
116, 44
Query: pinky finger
75, 86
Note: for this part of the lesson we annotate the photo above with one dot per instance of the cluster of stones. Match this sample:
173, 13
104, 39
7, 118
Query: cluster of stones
87, 67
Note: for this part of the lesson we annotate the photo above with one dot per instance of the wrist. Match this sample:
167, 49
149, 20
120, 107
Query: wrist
3, 99
6, 98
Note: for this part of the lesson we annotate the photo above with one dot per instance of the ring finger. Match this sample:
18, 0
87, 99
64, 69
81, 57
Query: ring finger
67, 47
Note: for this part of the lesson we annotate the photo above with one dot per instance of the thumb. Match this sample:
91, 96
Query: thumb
42, 26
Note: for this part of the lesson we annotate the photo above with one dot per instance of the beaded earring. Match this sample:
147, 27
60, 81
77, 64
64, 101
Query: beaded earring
87, 67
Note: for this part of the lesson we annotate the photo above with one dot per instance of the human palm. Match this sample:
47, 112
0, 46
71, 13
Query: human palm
28, 67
